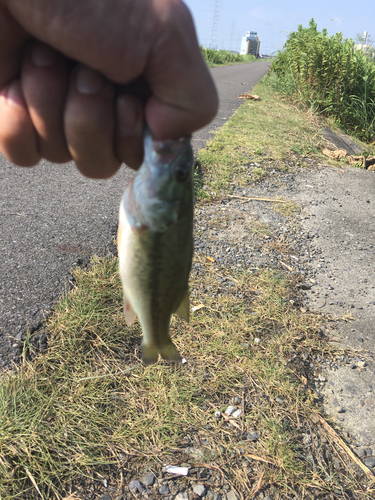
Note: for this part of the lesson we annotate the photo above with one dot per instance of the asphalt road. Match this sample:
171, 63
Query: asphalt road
52, 219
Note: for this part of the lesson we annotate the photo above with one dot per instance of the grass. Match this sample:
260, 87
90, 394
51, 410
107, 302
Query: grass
259, 136
328, 74
86, 408
223, 57
288, 209
57, 427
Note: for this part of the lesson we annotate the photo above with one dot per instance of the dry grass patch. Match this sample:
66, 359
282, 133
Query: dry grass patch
287, 209
58, 426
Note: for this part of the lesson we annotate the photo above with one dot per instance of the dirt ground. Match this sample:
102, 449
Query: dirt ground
335, 249
328, 243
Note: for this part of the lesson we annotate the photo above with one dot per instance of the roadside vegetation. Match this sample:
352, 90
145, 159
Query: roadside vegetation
87, 408
261, 136
222, 57
329, 75
75, 410
87, 411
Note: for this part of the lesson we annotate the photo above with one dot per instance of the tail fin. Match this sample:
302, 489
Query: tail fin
168, 352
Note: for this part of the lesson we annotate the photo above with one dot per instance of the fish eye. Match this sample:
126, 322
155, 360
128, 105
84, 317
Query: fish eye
181, 173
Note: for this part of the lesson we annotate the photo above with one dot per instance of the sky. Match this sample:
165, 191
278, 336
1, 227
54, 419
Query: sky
274, 19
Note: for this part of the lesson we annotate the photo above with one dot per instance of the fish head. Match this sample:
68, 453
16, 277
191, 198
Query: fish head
163, 186
169, 164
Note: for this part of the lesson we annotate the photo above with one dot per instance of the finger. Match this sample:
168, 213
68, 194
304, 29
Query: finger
18, 140
113, 37
44, 83
159, 42
184, 94
89, 123
129, 130
12, 40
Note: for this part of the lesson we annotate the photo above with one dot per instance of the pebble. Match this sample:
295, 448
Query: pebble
370, 462
231, 495
173, 487
148, 479
199, 490
137, 486
252, 436
164, 490
182, 496
361, 452
306, 439
230, 410
340, 409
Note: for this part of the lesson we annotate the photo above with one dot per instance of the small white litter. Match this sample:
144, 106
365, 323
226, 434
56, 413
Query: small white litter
237, 413
174, 469
217, 414
196, 308
183, 361
229, 410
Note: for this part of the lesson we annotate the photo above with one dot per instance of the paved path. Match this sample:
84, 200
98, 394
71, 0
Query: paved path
52, 218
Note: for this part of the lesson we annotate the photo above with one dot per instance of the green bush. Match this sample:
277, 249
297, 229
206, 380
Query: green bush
213, 56
327, 73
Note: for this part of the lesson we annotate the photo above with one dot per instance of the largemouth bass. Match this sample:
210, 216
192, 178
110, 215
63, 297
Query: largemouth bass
155, 243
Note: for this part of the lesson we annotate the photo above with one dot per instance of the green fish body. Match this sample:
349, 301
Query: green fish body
155, 243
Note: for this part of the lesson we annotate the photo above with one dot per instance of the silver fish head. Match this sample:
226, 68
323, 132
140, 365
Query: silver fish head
163, 185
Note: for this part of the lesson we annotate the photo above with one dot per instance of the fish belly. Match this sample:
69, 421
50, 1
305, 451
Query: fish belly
154, 268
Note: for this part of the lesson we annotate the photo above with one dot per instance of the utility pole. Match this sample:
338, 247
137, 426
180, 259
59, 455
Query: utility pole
215, 22
232, 35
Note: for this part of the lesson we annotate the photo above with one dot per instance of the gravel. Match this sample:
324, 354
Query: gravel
183, 495
148, 479
334, 260
370, 462
137, 486
164, 490
199, 490
231, 495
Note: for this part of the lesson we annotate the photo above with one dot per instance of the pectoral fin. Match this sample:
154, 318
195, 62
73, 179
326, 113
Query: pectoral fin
129, 312
183, 308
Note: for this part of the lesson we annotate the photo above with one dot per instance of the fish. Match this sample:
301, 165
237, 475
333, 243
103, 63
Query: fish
155, 243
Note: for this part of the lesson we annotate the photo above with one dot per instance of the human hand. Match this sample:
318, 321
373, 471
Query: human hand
61, 63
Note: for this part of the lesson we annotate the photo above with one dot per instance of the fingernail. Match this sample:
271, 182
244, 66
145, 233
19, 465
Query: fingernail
42, 56
128, 116
89, 81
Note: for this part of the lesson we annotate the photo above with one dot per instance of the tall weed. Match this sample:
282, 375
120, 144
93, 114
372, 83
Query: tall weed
328, 74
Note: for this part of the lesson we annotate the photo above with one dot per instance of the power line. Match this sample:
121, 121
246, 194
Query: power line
232, 34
